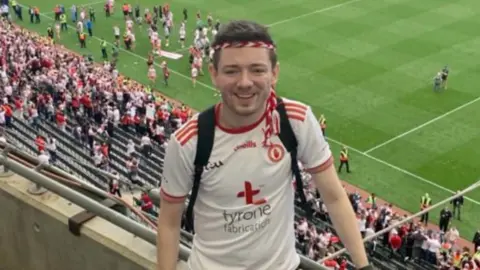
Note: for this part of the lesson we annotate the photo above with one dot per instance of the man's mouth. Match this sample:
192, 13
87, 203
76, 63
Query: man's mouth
245, 96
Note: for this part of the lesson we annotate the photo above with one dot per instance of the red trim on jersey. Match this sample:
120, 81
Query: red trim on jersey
296, 111
169, 198
295, 117
239, 129
291, 106
184, 133
322, 167
188, 137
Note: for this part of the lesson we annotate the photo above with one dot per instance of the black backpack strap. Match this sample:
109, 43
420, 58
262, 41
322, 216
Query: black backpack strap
206, 134
289, 140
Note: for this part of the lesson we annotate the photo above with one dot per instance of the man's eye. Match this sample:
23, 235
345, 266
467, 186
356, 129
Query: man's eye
258, 70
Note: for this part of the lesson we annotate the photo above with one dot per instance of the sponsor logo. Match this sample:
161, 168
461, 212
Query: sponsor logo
213, 165
248, 194
245, 145
276, 153
254, 219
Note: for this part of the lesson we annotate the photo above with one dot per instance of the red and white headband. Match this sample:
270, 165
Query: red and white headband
243, 44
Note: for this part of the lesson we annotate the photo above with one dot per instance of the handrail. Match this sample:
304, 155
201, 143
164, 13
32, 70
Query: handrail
34, 175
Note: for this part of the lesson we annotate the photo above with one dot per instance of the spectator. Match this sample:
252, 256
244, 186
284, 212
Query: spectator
457, 204
43, 158
476, 239
395, 242
52, 148
114, 187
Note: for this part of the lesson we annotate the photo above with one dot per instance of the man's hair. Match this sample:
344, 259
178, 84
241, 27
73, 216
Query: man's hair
242, 31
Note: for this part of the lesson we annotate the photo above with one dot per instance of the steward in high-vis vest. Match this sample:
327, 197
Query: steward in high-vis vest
63, 22
103, 46
323, 123
372, 200
82, 37
344, 159
425, 202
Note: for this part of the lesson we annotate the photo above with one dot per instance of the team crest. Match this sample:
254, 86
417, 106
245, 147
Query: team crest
276, 153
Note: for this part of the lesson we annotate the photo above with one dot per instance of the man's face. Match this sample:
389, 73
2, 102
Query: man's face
244, 78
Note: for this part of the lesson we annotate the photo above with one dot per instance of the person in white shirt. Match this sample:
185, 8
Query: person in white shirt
130, 147
244, 212
43, 158
434, 246
146, 145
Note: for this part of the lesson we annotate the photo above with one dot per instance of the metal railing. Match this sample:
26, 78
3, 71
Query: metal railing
11, 158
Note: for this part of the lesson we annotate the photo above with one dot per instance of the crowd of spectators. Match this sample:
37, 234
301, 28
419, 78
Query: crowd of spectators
44, 82
411, 241
41, 81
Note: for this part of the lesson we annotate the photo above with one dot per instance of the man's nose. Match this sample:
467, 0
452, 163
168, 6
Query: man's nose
245, 80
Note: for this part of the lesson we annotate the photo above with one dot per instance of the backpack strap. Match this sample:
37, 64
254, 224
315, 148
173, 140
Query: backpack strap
289, 140
206, 135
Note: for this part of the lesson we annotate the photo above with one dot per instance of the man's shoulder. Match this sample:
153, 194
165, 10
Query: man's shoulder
186, 135
296, 110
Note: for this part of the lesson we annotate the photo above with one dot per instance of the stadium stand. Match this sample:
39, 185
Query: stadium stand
79, 114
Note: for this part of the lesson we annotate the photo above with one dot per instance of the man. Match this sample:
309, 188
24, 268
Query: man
244, 213
476, 239
445, 216
82, 37
344, 159
457, 206
425, 202
437, 82
445, 72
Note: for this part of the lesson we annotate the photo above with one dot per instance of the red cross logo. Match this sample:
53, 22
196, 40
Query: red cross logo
249, 193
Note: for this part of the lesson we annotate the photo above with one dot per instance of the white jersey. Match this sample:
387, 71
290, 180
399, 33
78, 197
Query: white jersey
80, 26
197, 34
244, 212
129, 24
154, 36
194, 72
182, 32
166, 30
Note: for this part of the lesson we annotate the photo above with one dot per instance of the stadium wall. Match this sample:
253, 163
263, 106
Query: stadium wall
34, 235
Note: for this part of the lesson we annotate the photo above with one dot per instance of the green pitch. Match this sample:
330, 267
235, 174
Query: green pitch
368, 66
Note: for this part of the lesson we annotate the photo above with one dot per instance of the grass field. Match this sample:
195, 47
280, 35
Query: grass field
368, 66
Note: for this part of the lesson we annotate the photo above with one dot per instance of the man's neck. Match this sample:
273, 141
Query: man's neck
229, 119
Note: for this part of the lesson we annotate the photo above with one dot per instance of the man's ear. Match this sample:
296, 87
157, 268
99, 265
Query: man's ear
275, 72
213, 73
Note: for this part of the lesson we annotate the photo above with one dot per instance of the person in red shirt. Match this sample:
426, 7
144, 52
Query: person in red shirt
395, 243
147, 205
61, 120
8, 115
40, 142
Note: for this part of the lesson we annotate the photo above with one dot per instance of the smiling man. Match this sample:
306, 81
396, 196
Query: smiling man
244, 211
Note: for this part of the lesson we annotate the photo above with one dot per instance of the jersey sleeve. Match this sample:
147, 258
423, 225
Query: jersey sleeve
177, 171
313, 150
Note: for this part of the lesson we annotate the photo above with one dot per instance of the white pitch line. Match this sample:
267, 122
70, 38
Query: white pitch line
401, 170
422, 125
83, 5
329, 139
313, 13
